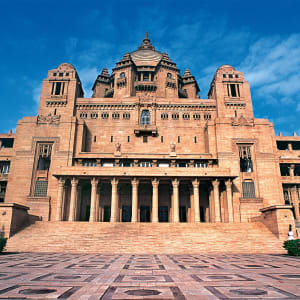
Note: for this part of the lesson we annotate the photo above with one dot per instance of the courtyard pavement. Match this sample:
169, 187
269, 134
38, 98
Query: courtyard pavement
105, 276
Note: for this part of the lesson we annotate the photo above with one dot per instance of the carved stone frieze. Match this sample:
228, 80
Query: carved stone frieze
49, 119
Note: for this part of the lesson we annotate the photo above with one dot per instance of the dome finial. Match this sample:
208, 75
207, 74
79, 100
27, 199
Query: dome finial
146, 44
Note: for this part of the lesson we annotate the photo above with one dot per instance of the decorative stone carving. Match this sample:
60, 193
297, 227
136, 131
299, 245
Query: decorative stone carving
242, 121
49, 119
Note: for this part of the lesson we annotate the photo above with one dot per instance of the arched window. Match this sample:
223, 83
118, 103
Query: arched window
169, 75
145, 117
122, 75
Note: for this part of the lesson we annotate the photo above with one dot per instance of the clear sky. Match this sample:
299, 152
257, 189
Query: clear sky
260, 38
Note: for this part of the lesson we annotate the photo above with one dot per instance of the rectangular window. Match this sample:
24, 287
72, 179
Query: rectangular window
57, 88
111, 139
161, 139
246, 164
128, 139
195, 140
178, 139
248, 189
233, 90
40, 188
95, 138
145, 139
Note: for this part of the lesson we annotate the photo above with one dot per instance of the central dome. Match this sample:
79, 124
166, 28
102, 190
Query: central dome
146, 55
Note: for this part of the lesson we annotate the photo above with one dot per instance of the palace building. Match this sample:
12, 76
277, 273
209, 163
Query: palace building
145, 148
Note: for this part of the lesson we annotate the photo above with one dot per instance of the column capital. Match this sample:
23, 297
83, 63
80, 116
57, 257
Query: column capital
61, 181
134, 181
155, 182
114, 181
196, 182
215, 183
175, 182
94, 181
74, 181
228, 183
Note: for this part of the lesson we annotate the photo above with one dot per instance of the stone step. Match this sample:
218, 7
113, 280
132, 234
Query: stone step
85, 237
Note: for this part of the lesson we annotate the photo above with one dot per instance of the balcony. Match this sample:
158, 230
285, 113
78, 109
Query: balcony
121, 82
150, 86
147, 129
182, 93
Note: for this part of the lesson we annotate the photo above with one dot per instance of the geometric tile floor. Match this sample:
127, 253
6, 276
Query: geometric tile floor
103, 276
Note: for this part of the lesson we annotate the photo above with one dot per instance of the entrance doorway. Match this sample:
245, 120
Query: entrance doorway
182, 214
126, 213
163, 214
145, 214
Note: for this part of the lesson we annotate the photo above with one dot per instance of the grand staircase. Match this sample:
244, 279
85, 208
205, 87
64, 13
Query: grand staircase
147, 238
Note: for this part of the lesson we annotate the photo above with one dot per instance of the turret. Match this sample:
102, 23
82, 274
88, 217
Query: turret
59, 91
102, 86
232, 93
190, 86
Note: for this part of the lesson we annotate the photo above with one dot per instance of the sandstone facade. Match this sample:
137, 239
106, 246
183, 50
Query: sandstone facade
146, 148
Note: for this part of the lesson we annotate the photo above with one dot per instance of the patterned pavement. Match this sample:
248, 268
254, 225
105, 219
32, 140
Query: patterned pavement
104, 276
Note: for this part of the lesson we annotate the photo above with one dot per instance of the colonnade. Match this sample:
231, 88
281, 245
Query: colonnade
214, 202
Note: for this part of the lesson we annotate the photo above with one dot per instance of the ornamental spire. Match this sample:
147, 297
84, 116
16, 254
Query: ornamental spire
146, 44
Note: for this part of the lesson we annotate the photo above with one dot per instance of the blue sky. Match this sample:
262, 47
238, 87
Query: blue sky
260, 38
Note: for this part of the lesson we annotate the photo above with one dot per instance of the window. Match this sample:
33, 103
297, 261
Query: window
61, 74
175, 116
245, 159
94, 115
111, 139
83, 115
182, 164
67, 73
186, 116
248, 188
233, 90
145, 117
58, 88
164, 116
105, 115
126, 163
95, 139
146, 76
146, 164
40, 189
236, 76
115, 115
128, 139
200, 164
161, 139
108, 164
196, 116
145, 139
207, 116
89, 163
163, 164
44, 157
224, 75
169, 75
4, 167
195, 139
284, 170
122, 75
230, 76
178, 139
126, 116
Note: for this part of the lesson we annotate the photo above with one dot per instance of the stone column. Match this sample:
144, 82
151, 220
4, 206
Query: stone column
228, 184
135, 186
295, 202
211, 205
78, 202
72, 212
94, 183
155, 183
59, 201
98, 203
196, 200
114, 200
290, 147
292, 170
215, 184
175, 203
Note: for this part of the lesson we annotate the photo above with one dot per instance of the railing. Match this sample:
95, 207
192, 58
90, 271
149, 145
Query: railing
145, 85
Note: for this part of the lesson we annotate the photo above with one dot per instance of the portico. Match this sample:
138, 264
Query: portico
144, 199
